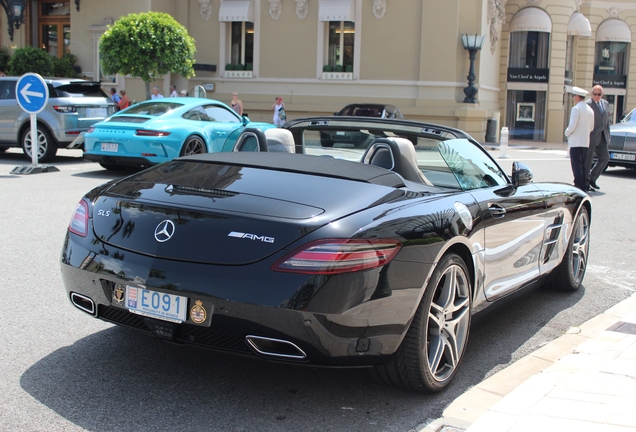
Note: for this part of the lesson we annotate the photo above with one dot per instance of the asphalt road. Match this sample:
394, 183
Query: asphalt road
62, 370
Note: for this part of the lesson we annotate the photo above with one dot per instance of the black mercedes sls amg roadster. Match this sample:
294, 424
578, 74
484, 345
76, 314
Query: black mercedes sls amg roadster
360, 257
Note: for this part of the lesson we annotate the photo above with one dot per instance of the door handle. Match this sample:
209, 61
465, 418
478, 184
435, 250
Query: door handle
496, 210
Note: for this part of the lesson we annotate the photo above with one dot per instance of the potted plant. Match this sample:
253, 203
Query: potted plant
327, 68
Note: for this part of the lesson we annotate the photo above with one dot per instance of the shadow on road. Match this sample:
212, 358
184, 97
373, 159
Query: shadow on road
117, 380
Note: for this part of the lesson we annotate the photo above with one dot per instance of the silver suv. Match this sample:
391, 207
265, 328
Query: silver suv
74, 105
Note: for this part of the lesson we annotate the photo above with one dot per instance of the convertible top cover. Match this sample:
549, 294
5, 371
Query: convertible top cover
313, 165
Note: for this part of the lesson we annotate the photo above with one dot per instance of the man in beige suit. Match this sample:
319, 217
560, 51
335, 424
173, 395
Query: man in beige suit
578, 134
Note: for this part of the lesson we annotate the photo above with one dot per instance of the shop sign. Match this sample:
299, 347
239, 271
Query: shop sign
528, 75
337, 76
613, 81
238, 74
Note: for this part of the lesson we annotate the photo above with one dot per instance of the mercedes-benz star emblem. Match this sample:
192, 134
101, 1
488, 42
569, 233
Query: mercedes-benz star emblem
164, 231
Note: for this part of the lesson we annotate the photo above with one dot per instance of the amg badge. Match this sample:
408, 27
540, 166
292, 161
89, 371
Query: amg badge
251, 237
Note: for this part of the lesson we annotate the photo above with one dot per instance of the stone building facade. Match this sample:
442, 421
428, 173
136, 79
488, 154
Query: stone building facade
320, 55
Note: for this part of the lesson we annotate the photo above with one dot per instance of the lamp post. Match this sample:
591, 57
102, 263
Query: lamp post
472, 43
15, 14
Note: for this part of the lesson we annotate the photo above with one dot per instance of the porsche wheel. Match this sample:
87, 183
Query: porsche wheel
434, 345
46, 145
569, 274
193, 145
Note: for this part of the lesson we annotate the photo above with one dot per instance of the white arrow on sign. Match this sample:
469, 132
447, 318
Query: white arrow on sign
26, 93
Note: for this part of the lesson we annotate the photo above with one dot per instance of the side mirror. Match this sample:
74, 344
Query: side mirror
246, 120
521, 174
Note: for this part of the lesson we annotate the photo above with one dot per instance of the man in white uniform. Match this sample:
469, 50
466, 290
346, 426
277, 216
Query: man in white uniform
578, 134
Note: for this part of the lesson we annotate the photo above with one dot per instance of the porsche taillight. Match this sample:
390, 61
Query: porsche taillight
79, 221
337, 256
152, 133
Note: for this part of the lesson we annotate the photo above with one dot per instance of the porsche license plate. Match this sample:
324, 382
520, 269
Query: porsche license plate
622, 156
110, 147
154, 304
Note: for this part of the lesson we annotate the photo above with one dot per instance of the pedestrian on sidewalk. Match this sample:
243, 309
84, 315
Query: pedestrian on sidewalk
279, 112
578, 134
236, 104
599, 138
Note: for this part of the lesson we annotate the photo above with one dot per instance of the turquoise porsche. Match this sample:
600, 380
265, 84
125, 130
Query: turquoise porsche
159, 130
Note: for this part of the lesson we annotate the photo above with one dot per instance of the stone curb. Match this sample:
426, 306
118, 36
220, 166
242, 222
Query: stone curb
467, 408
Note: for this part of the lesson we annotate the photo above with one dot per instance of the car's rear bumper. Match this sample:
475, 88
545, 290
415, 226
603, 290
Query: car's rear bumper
363, 334
123, 161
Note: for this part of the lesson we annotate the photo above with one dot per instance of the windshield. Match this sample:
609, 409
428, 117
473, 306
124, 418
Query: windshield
630, 118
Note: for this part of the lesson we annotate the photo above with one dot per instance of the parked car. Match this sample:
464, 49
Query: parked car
622, 147
159, 130
317, 260
359, 139
73, 106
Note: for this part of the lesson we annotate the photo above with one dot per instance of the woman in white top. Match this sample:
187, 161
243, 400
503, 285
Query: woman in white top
279, 112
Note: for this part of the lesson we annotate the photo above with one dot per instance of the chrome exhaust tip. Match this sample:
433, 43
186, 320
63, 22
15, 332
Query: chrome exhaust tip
83, 303
277, 348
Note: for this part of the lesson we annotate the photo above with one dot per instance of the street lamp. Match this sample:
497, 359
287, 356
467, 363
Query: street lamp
472, 43
15, 14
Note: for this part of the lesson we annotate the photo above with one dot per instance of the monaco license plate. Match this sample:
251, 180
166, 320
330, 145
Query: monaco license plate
622, 156
96, 112
110, 147
155, 304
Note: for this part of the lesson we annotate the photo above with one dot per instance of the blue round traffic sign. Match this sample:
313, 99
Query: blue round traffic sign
32, 93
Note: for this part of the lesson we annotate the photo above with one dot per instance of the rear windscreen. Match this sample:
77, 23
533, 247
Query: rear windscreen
78, 90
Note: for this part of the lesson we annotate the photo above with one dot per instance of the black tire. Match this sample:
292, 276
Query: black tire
47, 147
434, 345
193, 145
568, 276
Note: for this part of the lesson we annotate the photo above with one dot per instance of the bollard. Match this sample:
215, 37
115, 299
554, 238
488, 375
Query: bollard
503, 143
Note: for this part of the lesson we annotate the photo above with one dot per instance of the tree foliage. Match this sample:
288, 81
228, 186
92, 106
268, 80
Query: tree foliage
30, 59
147, 45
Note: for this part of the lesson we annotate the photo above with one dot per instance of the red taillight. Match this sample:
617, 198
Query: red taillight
154, 133
64, 109
338, 256
79, 221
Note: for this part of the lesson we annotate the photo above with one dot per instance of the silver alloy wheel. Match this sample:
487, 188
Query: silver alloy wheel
580, 247
42, 144
448, 323
193, 145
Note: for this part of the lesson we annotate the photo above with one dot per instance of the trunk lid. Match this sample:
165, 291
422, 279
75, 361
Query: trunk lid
223, 214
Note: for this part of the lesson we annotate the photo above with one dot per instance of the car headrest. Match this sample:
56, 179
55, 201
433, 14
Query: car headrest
280, 140
395, 154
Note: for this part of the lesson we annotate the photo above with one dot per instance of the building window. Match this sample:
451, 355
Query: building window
529, 49
341, 38
611, 58
54, 34
242, 45
525, 114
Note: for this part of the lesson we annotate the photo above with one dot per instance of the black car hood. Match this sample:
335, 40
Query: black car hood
223, 214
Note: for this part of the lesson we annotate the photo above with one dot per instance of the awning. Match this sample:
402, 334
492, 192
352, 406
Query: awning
236, 10
531, 19
579, 25
337, 10
613, 30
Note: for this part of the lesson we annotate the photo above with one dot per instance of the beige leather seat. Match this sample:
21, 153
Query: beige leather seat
395, 154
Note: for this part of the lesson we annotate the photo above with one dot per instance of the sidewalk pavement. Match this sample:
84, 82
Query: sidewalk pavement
519, 144
583, 381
